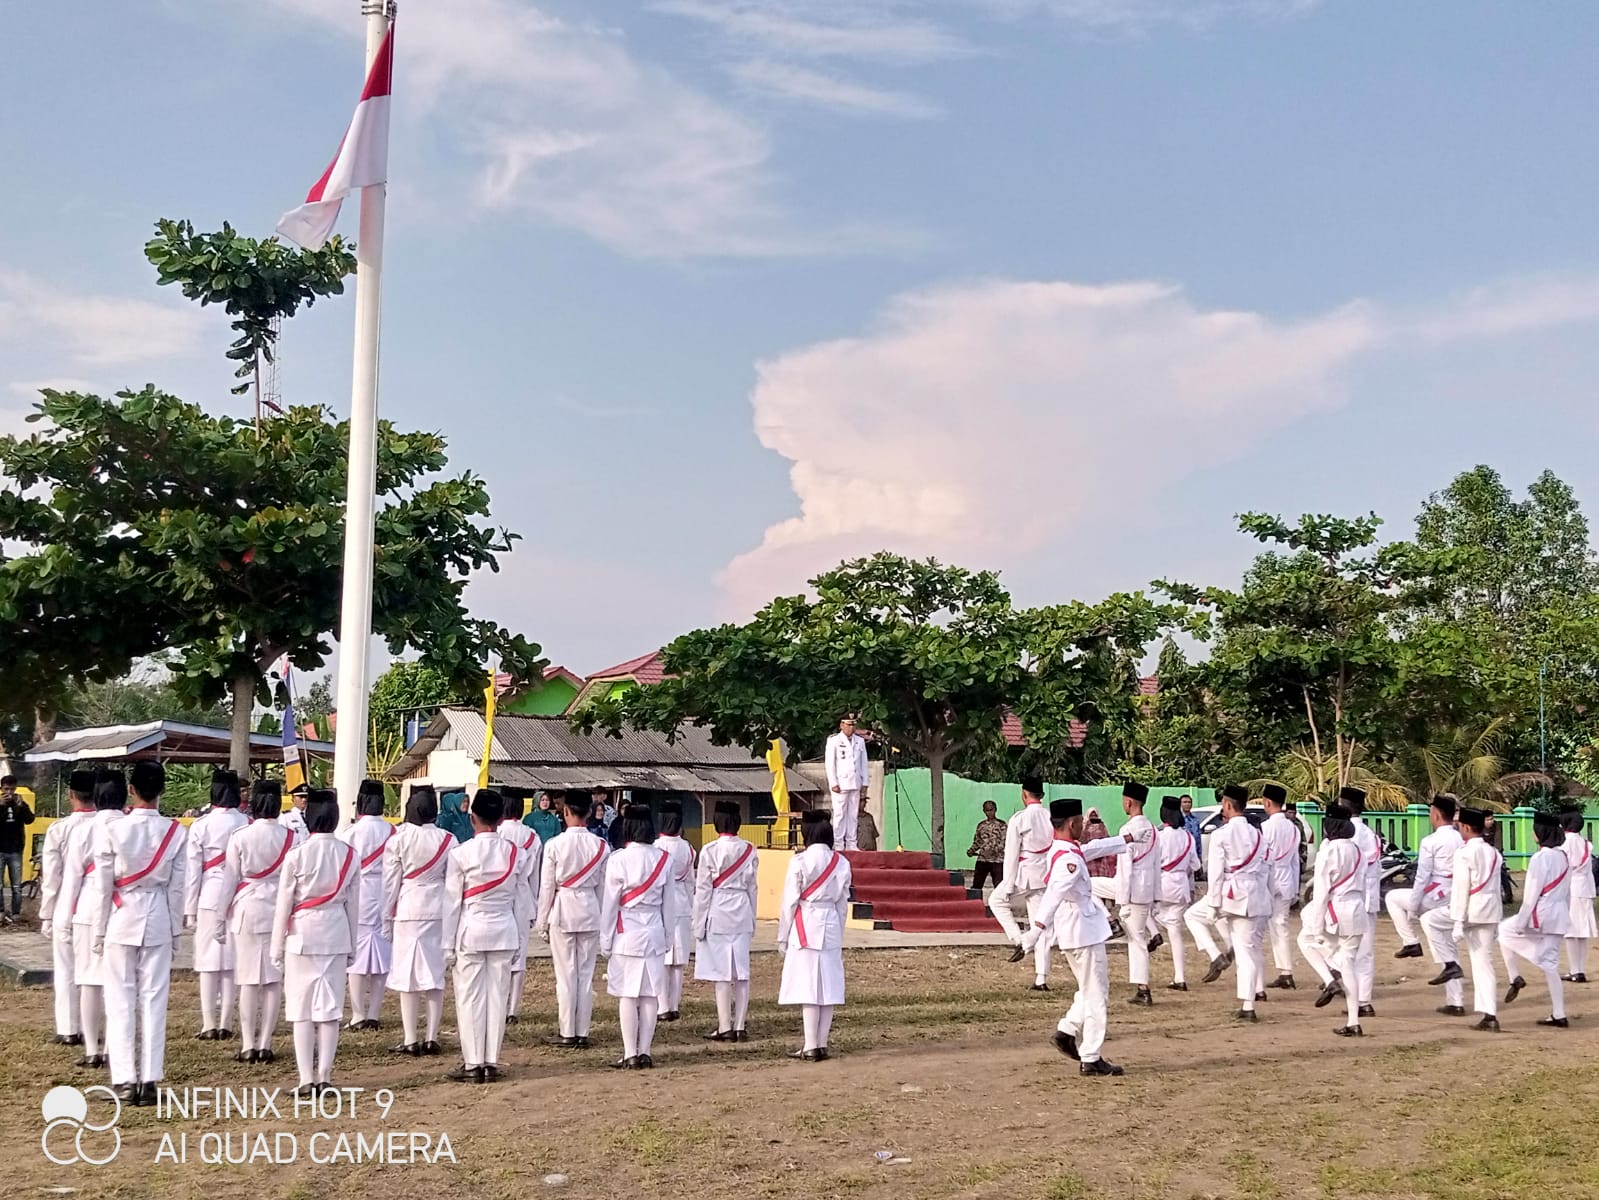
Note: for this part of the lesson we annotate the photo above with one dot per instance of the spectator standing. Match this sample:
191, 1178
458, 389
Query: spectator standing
15, 817
544, 820
866, 829
1191, 828
988, 848
453, 815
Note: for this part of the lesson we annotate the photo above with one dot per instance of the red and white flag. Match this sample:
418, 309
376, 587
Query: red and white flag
362, 160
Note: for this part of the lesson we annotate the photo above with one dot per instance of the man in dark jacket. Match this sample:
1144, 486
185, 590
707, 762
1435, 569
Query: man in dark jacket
15, 817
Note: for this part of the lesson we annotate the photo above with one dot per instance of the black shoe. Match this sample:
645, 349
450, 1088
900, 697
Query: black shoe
1577, 978
126, 1093
244, 1056
307, 1091
1228, 958
1040, 987
206, 1035
224, 1035
88, 1062
265, 1056
1017, 955
1330, 991
1555, 1023
1142, 998
1099, 1067
147, 1095
801, 1053
811, 1056
411, 1048
1366, 1010
1260, 997
1176, 987
1487, 1025
722, 1035
76, 1039
623, 1064
1450, 971
1413, 950
741, 1035
669, 1017
491, 1073
512, 1019
429, 1049
581, 1043
1217, 966
645, 1063
1284, 983
1350, 1031
465, 1074
1066, 1044
1116, 929
61, 1039
1156, 942
1517, 986
1247, 1016
564, 1043
1451, 1010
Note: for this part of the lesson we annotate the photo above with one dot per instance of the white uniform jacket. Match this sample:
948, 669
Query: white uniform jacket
319, 897
368, 836
142, 857
1239, 886
639, 903
482, 904
415, 862
1579, 853
1435, 868
680, 878
725, 889
79, 871
846, 762
1338, 891
1371, 850
1068, 907
255, 860
1545, 895
208, 850
1029, 840
53, 906
573, 872
293, 818
1179, 862
529, 852
1474, 897
1138, 870
815, 897
1282, 856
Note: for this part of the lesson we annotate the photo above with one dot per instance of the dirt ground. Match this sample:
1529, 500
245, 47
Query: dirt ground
943, 1061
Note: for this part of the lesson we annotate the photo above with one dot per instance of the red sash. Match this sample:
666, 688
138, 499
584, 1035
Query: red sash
633, 894
288, 840
1067, 849
1492, 876
1259, 841
378, 853
733, 870
479, 889
210, 863
810, 890
1141, 857
449, 840
1548, 887
319, 901
587, 867
155, 861
1332, 913
87, 871
1434, 886
1180, 859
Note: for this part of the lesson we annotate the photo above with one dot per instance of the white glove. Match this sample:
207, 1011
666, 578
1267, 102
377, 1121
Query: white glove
277, 964
66, 935
782, 949
99, 946
544, 936
1460, 931
222, 931
47, 928
449, 959
1029, 940
177, 942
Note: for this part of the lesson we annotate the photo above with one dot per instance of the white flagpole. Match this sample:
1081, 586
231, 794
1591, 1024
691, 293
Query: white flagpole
355, 619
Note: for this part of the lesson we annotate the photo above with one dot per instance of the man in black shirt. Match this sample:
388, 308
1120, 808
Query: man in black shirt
15, 817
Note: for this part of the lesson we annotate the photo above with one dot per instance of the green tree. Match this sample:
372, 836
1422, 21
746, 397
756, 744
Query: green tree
408, 686
930, 655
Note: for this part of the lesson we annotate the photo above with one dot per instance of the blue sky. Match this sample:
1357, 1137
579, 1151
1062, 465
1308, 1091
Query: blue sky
716, 293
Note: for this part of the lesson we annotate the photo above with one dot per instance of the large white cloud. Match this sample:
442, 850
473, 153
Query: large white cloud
89, 328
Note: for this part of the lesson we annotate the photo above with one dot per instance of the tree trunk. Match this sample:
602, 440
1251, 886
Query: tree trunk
45, 775
935, 770
239, 731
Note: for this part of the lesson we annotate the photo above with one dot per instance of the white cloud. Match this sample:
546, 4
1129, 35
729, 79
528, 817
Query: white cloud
802, 84
30, 389
871, 30
1139, 16
982, 422
89, 329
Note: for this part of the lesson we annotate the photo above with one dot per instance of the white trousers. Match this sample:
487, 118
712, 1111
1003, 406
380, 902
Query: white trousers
1327, 953
1484, 976
64, 982
1137, 920
1210, 933
137, 979
573, 955
1169, 916
482, 988
1247, 936
1541, 952
1282, 941
846, 815
1576, 955
999, 902
1366, 960
1439, 928
1086, 1019
1398, 904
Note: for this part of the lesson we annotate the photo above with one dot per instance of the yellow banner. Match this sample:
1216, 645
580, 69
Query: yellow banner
774, 760
488, 732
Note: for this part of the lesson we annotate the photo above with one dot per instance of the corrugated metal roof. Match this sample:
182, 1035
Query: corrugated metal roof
167, 741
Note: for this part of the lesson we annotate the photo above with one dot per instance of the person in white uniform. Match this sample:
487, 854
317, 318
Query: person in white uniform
1135, 880
314, 933
1579, 853
724, 921
680, 934
1028, 842
83, 884
250, 874
1370, 845
1204, 920
847, 776
528, 873
1534, 934
293, 816
1238, 888
1282, 881
1429, 892
639, 907
138, 923
369, 834
1439, 926
415, 863
205, 905
55, 917
483, 913
810, 934
1333, 922
1070, 915
573, 873
1476, 908
1179, 863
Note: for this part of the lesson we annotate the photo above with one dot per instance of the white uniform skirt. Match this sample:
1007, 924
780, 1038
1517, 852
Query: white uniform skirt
812, 977
1582, 919
86, 964
252, 959
418, 956
630, 977
210, 954
371, 951
723, 958
680, 940
313, 987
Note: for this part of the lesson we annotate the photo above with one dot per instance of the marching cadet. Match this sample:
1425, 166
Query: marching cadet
680, 878
1205, 924
569, 918
1028, 838
205, 905
1175, 889
847, 774
83, 884
138, 924
1071, 916
1282, 866
1366, 838
1435, 868
639, 908
483, 913
1579, 853
293, 817
1135, 890
415, 862
528, 873
1534, 934
314, 935
250, 876
1332, 924
810, 934
369, 970
1238, 888
724, 922
1476, 909
56, 915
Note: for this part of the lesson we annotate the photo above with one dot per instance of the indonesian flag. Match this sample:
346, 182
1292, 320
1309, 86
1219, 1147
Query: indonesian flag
362, 160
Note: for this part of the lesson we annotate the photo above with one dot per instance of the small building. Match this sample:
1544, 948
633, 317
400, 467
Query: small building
613, 681
549, 696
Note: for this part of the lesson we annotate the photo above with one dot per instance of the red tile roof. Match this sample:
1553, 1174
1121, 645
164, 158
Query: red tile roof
646, 668
1149, 685
1015, 735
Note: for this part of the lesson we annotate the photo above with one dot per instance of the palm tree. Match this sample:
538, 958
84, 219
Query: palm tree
1461, 760
1307, 772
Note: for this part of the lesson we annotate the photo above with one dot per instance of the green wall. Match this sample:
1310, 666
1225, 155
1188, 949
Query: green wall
550, 699
907, 800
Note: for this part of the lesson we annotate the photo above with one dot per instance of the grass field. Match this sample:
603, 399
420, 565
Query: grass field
942, 1060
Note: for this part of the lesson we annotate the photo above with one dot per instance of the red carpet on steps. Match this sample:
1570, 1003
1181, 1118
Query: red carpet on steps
904, 889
